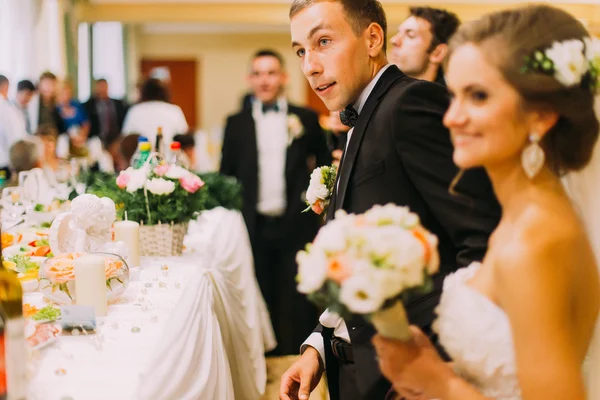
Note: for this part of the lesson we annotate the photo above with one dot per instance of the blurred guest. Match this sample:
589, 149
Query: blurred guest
12, 126
106, 119
42, 108
75, 118
25, 92
267, 148
421, 44
106, 114
47, 136
188, 148
24, 155
154, 111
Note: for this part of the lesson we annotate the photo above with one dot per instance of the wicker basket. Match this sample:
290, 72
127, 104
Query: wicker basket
162, 240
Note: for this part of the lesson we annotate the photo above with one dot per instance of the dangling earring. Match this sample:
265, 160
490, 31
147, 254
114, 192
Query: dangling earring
533, 157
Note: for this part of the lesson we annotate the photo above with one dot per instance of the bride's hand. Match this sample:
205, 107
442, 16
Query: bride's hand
414, 367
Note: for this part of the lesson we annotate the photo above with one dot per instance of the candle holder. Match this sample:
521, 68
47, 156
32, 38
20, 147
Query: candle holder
57, 277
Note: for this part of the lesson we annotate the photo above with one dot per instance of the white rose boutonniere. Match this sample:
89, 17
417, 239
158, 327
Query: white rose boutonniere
295, 128
320, 189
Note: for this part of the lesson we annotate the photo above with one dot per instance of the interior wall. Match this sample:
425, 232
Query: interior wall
223, 66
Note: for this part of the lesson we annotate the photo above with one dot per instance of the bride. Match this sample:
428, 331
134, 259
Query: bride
520, 324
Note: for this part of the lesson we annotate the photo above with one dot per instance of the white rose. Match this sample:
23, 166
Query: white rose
311, 196
160, 186
569, 61
321, 192
177, 172
316, 177
361, 293
312, 271
137, 179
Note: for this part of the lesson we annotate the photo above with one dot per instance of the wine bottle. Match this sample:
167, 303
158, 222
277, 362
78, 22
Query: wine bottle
15, 356
159, 141
3, 389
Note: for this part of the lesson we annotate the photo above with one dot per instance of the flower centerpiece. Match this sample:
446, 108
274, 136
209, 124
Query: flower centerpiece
163, 198
364, 264
57, 277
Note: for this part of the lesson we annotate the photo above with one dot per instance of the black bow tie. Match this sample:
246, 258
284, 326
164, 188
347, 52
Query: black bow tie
348, 116
270, 107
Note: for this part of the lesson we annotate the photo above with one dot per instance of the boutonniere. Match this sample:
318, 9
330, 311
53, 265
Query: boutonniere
320, 189
295, 128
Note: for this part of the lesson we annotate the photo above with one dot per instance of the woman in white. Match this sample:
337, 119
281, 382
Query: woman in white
520, 324
154, 111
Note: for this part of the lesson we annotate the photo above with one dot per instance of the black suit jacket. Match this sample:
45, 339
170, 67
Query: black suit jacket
92, 111
401, 153
240, 160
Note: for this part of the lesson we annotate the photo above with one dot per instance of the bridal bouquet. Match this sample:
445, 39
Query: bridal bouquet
320, 189
363, 264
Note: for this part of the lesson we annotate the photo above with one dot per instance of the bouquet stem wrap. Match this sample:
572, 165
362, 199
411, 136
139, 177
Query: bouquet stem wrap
392, 322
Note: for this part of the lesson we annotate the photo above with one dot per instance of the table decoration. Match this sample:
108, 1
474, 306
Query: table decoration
57, 277
162, 198
90, 283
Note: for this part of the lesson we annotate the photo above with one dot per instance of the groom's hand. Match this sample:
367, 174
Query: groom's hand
302, 377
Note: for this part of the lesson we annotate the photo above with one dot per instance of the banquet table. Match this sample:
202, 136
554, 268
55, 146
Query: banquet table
188, 327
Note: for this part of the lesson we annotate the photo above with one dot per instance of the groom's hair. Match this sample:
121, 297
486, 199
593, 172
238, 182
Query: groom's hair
359, 14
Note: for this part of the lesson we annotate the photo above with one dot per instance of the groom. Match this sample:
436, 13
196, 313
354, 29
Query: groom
399, 152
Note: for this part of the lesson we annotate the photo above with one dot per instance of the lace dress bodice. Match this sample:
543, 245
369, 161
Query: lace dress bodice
476, 333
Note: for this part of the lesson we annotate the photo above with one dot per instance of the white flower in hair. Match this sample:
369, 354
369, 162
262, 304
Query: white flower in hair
570, 63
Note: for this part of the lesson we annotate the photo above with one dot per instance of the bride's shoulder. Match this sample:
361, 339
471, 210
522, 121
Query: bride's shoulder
540, 241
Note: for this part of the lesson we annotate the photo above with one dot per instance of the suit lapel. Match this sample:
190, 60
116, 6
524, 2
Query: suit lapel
251, 143
391, 75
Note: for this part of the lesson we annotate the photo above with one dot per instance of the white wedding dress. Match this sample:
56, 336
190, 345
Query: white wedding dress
476, 334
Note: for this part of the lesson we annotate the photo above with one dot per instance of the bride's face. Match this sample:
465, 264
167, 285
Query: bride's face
486, 117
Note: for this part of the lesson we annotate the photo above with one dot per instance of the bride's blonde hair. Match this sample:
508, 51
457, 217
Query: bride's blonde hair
507, 38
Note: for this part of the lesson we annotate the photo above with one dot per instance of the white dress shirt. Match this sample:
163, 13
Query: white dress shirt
271, 143
330, 319
12, 129
145, 118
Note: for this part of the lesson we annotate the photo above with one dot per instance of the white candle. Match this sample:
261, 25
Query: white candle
90, 283
129, 233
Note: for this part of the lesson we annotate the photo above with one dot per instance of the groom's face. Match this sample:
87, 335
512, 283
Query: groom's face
333, 58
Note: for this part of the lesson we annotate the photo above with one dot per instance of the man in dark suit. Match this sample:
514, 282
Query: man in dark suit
268, 148
399, 152
421, 44
106, 117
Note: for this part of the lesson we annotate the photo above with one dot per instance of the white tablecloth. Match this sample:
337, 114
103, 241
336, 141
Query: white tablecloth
201, 336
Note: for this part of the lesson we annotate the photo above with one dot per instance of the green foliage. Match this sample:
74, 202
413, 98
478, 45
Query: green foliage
222, 191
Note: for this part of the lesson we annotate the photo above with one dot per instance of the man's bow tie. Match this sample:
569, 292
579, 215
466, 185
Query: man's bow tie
348, 116
270, 107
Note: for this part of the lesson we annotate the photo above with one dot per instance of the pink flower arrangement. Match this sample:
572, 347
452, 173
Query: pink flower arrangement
153, 189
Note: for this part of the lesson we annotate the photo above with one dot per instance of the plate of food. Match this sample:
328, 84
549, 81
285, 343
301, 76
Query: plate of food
27, 269
40, 335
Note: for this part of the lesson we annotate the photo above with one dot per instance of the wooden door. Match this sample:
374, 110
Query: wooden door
180, 76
